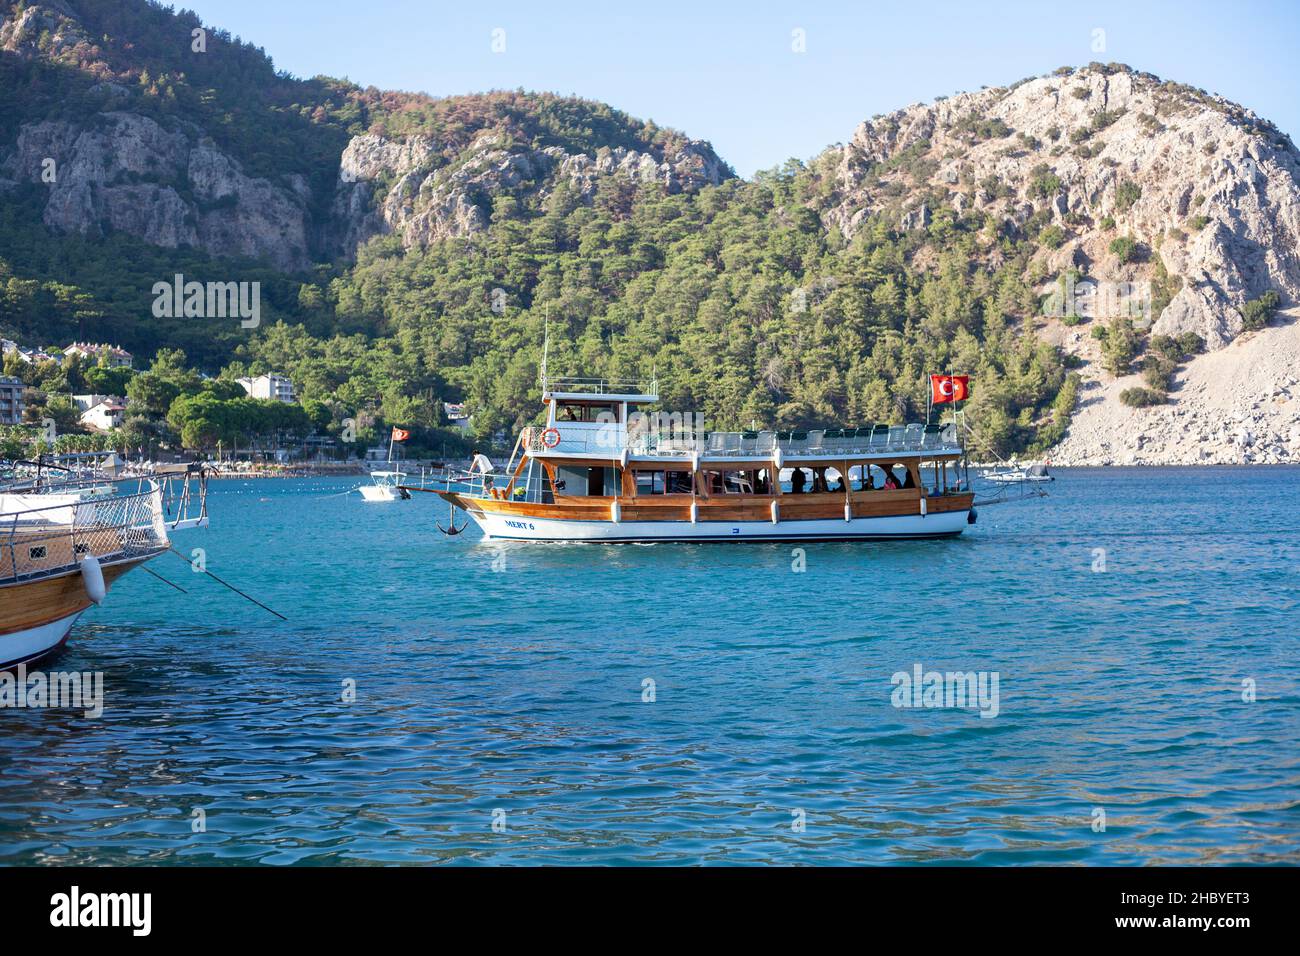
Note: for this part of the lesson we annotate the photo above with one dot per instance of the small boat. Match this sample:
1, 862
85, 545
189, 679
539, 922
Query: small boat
63, 543
600, 471
385, 486
1016, 475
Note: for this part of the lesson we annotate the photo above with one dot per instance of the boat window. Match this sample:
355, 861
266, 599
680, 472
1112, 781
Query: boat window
649, 483
902, 476
729, 482
602, 481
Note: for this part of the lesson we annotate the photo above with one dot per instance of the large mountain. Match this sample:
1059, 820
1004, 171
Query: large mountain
410, 246
1128, 183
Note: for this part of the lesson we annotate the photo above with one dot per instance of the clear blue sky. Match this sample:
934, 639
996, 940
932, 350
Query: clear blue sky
725, 71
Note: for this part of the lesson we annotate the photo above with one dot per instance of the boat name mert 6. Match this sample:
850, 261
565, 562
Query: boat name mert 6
597, 472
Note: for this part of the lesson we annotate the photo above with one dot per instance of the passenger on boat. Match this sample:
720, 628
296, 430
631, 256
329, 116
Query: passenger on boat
760, 485
907, 479
797, 481
868, 480
890, 481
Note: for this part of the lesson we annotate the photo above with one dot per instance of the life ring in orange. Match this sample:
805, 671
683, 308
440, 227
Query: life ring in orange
551, 437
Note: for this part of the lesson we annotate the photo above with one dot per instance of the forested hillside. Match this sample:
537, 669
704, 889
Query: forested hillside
409, 248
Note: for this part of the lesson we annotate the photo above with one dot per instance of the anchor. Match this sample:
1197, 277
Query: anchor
451, 520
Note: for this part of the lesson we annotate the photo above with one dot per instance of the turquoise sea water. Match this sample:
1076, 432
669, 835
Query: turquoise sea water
507, 683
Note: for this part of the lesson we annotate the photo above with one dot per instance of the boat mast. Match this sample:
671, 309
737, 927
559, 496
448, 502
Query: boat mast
546, 344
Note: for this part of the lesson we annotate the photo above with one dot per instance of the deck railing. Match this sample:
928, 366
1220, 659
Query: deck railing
599, 386
610, 441
49, 540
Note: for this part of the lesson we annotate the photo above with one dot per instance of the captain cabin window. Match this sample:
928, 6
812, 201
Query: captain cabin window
582, 412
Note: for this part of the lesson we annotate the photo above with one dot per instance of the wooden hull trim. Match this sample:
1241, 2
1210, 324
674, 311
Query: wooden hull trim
36, 616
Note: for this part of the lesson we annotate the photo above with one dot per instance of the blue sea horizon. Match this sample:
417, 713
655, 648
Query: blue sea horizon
438, 700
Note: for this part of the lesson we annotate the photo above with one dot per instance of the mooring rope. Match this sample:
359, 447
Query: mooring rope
226, 584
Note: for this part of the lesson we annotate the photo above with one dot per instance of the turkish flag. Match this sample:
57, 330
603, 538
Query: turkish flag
949, 388
400, 434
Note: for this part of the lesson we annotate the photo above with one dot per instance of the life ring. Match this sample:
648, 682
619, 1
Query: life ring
551, 437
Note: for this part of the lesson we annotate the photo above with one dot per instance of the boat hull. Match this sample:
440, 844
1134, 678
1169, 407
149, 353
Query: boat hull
506, 527
34, 643
379, 493
36, 616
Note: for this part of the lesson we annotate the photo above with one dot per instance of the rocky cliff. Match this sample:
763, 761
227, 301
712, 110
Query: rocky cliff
428, 199
169, 186
1145, 187
167, 180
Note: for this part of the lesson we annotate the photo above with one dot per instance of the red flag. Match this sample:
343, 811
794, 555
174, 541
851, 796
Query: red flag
949, 388
400, 434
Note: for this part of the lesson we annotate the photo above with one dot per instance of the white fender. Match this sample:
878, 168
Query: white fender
777, 458
615, 512
695, 512
92, 577
923, 506
776, 511
695, 461
622, 459
848, 511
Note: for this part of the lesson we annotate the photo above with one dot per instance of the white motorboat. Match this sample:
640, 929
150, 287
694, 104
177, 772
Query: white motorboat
385, 486
1017, 475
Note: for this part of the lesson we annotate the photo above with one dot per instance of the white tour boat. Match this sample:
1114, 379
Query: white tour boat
600, 471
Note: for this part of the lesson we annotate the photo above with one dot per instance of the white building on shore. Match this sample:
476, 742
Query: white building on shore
104, 415
270, 385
